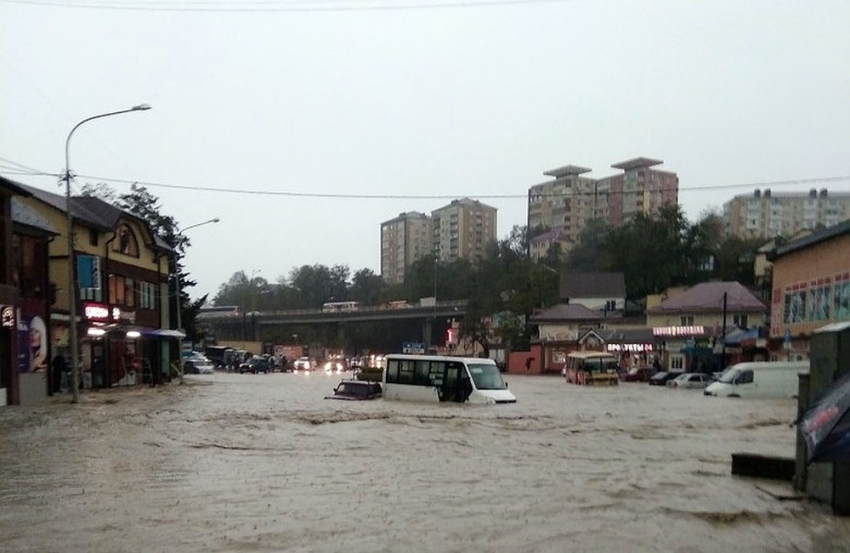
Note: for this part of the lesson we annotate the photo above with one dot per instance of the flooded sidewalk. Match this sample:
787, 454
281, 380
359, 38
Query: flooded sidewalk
230, 462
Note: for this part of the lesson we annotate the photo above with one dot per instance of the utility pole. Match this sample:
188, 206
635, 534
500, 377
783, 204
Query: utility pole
723, 336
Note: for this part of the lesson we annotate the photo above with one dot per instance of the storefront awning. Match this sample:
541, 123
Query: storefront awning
145, 331
168, 333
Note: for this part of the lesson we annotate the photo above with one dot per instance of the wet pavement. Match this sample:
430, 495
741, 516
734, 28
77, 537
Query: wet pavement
258, 463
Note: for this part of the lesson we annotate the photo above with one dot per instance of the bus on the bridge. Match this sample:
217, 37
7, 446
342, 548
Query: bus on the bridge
218, 311
340, 306
436, 378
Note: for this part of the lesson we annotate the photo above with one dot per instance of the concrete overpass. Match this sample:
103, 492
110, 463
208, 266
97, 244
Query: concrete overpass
230, 326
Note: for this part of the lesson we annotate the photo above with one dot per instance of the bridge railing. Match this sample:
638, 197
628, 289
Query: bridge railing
440, 305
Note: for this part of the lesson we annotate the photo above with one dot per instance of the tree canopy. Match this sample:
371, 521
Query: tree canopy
505, 288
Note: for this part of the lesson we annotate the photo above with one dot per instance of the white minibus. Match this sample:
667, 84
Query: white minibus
438, 378
775, 379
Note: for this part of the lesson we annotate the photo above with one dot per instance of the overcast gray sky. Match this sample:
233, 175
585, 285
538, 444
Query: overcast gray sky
470, 100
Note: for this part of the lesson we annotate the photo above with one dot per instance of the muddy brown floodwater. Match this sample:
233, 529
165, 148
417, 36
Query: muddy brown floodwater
255, 463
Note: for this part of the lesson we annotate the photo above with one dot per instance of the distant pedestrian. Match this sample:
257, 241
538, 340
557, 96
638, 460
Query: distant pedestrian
59, 367
656, 365
528, 362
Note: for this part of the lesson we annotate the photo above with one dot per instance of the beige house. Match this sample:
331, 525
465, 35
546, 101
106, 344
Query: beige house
691, 322
811, 287
122, 290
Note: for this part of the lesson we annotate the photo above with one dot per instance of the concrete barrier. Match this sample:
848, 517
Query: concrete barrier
763, 466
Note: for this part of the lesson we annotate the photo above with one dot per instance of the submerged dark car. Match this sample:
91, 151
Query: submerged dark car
255, 365
354, 390
660, 379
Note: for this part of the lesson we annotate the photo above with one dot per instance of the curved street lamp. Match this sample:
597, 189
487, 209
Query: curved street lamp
177, 286
72, 285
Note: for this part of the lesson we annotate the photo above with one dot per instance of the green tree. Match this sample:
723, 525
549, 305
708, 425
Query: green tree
591, 253
367, 287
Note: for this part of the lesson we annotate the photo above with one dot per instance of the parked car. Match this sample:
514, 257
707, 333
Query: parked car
196, 366
690, 380
303, 364
639, 374
356, 390
660, 379
336, 365
255, 365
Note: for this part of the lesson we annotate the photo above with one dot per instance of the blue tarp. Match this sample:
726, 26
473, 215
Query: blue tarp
826, 424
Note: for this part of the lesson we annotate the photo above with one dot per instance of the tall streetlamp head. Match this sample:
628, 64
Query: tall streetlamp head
216, 220
141, 107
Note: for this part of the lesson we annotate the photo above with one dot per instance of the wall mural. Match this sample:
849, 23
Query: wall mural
820, 300
841, 297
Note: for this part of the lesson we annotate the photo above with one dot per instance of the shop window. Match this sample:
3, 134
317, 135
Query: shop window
5, 230
147, 295
677, 362
28, 266
116, 290
129, 292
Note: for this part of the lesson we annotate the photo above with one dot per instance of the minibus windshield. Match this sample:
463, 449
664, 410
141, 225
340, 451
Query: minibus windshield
729, 375
486, 376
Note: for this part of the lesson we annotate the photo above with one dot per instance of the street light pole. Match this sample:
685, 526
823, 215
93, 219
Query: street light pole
72, 284
177, 286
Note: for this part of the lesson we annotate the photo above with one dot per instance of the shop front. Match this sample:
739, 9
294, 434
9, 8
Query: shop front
686, 348
33, 359
8, 351
635, 347
119, 349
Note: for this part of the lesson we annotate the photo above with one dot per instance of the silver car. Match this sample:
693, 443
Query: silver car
690, 380
303, 364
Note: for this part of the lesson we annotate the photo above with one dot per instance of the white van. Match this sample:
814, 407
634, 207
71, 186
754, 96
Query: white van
759, 379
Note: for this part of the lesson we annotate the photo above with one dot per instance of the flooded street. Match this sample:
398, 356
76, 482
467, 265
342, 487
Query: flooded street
258, 463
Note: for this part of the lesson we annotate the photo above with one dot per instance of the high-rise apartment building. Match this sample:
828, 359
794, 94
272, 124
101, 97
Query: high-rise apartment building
463, 229
638, 190
404, 240
566, 203
766, 214
570, 201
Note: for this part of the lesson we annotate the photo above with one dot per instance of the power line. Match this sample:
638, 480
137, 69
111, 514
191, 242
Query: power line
817, 180
239, 7
19, 166
570, 194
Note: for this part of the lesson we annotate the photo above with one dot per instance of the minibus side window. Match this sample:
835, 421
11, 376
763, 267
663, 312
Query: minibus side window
438, 372
405, 372
392, 371
420, 375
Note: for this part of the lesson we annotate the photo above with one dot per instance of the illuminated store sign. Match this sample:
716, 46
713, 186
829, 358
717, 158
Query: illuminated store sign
8, 316
119, 315
96, 312
629, 347
678, 330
